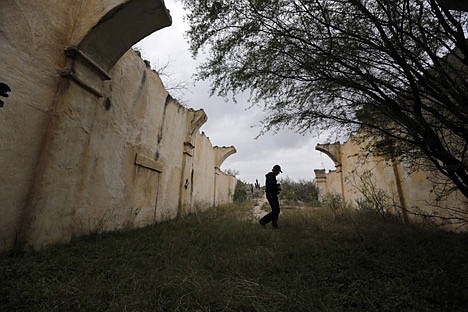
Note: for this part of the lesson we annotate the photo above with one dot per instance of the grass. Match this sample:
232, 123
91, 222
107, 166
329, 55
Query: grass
217, 261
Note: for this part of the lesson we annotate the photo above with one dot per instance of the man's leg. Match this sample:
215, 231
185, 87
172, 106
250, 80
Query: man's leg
275, 211
268, 217
265, 219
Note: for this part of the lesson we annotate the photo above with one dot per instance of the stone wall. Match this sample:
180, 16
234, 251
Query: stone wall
407, 192
91, 140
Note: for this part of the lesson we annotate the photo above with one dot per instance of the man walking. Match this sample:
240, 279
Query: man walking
272, 190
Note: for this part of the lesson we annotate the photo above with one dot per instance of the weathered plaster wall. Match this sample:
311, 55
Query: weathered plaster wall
208, 178
225, 186
31, 54
411, 192
91, 140
203, 183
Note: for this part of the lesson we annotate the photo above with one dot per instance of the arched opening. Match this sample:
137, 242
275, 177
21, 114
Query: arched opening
122, 27
331, 150
89, 62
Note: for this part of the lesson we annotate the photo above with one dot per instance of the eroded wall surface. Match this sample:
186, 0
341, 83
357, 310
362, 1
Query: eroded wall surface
31, 54
224, 188
408, 193
91, 140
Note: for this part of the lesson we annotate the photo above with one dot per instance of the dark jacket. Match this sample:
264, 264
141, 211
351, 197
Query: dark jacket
271, 186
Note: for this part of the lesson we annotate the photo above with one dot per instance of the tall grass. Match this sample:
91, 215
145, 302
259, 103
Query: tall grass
217, 261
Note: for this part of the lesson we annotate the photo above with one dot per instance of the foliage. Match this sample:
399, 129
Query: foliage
335, 204
213, 261
374, 64
372, 197
304, 191
241, 191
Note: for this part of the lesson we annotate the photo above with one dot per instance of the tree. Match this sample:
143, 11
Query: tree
396, 68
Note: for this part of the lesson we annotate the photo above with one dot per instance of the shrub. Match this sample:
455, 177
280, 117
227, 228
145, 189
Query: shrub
334, 203
240, 193
373, 198
304, 191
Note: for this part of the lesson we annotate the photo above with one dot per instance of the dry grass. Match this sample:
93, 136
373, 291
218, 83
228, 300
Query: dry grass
217, 261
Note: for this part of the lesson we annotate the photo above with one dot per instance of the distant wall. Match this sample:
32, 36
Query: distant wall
410, 192
225, 187
203, 173
91, 140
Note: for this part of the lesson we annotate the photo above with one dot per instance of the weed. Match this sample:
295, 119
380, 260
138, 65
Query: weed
217, 261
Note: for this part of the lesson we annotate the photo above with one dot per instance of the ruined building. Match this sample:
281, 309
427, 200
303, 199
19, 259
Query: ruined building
90, 139
393, 185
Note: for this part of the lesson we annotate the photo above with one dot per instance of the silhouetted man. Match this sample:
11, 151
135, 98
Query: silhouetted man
272, 190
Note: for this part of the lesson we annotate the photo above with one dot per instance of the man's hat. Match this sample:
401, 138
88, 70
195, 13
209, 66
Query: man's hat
277, 168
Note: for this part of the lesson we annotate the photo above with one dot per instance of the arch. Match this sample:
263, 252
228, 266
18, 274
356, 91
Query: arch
331, 150
89, 62
121, 27
198, 118
221, 153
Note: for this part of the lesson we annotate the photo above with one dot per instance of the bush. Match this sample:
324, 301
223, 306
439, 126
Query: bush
335, 204
240, 193
304, 191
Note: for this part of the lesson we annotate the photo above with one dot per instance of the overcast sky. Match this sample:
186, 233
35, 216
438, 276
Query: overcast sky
229, 123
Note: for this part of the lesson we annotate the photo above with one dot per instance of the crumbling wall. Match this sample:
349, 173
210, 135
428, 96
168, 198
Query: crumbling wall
31, 57
203, 173
208, 178
91, 140
225, 186
409, 193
